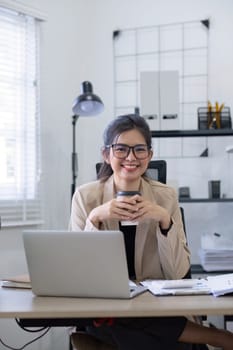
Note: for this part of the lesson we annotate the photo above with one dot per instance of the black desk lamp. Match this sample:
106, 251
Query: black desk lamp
85, 105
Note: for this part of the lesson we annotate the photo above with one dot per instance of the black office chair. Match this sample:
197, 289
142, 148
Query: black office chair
189, 273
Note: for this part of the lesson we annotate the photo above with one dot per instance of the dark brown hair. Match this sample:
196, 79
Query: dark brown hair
116, 127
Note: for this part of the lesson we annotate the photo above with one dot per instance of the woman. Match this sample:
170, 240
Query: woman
156, 248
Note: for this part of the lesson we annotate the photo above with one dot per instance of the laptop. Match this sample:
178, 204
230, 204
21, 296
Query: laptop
78, 264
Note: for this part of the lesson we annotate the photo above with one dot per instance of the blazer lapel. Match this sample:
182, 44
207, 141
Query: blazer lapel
108, 194
142, 229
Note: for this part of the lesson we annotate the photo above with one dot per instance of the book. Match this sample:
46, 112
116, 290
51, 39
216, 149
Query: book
19, 281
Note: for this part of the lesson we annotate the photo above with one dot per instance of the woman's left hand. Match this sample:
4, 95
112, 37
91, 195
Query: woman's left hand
149, 210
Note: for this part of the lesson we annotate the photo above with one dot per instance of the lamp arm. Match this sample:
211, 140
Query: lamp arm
87, 104
74, 159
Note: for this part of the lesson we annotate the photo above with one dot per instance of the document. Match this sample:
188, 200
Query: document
19, 281
221, 284
216, 285
216, 252
178, 287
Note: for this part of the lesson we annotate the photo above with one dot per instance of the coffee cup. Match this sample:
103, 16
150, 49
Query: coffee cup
123, 194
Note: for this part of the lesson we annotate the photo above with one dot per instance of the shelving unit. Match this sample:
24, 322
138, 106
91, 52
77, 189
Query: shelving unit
203, 215
196, 133
204, 200
192, 133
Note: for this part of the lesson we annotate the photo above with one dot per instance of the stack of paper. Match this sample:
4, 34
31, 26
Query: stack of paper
216, 285
216, 253
178, 287
221, 284
19, 281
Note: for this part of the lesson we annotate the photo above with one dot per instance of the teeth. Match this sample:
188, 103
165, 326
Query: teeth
130, 166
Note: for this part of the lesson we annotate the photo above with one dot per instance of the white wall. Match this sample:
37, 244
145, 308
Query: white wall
76, 46
63, 67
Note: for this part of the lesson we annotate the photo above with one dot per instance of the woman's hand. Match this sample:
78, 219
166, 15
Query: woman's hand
149, 210
133, 208
121, 208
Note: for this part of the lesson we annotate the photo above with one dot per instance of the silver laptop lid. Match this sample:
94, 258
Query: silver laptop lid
77, 264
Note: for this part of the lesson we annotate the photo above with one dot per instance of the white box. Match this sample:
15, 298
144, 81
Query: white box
160, 99
149, 91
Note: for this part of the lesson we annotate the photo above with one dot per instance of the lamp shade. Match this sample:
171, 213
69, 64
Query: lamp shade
87, 104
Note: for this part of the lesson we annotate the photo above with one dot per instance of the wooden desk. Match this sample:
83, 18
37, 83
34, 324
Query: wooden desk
16, 303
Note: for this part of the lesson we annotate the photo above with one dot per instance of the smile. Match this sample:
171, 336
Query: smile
130, 166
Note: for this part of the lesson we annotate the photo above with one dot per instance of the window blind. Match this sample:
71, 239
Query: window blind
20, 168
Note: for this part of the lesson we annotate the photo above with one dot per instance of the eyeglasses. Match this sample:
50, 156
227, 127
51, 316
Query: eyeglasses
121, 151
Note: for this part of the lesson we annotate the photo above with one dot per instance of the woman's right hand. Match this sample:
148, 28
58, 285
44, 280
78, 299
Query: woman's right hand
118, 209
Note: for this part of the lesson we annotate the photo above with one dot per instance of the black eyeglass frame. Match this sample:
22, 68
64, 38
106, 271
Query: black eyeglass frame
129, 149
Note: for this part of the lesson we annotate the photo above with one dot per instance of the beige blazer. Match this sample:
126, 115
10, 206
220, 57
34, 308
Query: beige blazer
156, 256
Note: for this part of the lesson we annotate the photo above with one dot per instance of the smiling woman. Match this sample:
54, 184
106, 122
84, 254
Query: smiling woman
114, 143
128, 158
155, 241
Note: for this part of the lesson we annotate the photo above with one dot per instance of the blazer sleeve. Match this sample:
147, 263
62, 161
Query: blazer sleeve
172, 248
80, 209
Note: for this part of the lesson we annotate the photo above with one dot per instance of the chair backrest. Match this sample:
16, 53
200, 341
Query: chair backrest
157, 170
189, 273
